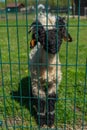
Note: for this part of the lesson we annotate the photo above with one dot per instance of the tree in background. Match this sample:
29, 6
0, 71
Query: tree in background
51, 3
54, 3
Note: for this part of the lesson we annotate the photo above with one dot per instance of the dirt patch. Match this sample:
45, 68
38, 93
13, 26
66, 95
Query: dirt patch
19, 122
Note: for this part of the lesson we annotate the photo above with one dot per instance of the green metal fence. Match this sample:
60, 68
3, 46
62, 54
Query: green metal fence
16, 111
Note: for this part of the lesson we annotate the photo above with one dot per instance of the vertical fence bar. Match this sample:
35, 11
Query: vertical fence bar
3, 91
84, 99
19, 64
57, 64
37, 64
66, 77
76, 68
10, 64
29, 83
47, 64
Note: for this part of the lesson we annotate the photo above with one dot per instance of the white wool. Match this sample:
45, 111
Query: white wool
44, 68
48, 21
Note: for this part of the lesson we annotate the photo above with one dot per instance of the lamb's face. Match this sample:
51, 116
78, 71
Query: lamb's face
50, 39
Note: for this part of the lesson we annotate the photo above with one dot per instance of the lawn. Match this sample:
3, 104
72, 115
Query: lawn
15, 102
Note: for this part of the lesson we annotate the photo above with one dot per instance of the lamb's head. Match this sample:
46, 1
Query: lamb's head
49, 33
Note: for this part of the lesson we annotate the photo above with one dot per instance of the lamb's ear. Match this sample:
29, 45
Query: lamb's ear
68, 38
32, 43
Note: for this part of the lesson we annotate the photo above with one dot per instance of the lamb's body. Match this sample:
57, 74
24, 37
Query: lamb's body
45, 66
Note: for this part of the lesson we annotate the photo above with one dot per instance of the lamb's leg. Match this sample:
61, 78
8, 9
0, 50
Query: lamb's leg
41, 112
51, 104
40, 104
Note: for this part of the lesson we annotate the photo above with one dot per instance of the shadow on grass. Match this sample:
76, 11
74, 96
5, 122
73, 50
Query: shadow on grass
24, 95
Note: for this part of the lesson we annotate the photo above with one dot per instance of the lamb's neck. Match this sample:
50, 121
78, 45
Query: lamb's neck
48, 58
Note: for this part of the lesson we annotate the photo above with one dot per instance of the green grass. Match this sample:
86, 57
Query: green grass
71, 107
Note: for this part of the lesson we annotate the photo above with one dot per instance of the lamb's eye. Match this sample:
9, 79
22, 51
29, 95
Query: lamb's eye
35, 35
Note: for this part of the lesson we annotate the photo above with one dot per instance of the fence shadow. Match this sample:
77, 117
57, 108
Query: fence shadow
24, 95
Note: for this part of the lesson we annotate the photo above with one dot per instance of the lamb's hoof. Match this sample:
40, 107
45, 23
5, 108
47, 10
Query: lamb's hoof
41, 120
51, 118
52, 127
44, 126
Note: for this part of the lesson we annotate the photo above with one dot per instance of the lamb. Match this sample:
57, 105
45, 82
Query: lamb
47, 36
